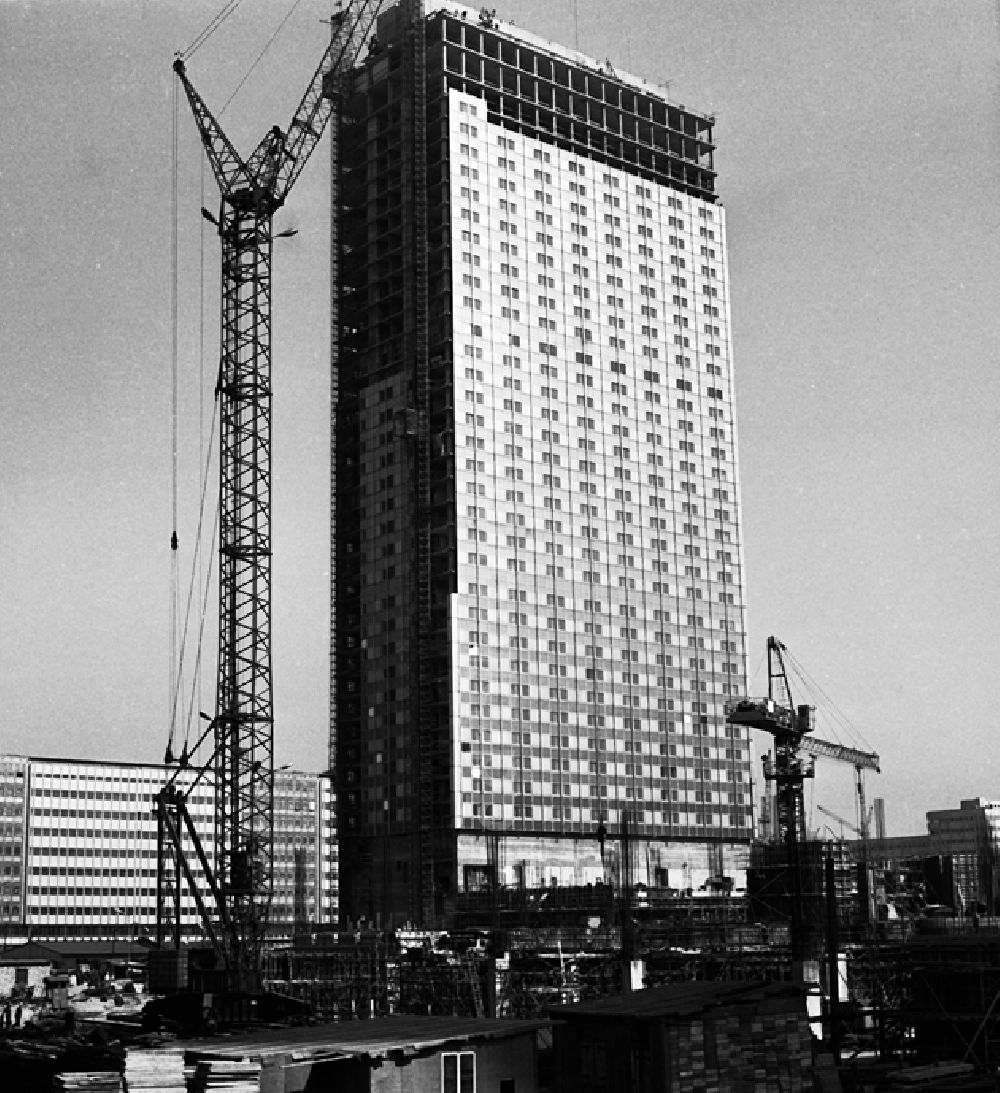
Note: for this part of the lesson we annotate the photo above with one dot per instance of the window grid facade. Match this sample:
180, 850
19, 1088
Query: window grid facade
585, 538
78, 848
599, 606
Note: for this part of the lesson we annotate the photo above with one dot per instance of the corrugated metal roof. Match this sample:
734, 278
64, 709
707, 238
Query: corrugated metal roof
677, 999
378, 1037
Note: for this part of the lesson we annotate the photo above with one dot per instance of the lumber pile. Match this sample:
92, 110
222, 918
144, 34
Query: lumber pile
154, 1070
752, 1053
231, 1075
87, 1081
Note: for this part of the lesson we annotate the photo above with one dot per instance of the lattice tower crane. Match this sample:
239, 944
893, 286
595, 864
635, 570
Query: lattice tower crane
240, 768
791, 727
788, 725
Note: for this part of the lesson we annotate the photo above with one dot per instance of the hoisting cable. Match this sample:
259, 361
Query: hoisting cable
179, 632
830, 706
192, 585
213, 25
198, 678
194, 702
174, 669
200, 574
257, 59
757, 672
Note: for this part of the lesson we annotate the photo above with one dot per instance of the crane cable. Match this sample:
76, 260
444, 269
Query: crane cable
757, 672
179, 634
202, 455
196, 563
227, 9
213, 25
194, 699
256, 61
174, 667
838, 715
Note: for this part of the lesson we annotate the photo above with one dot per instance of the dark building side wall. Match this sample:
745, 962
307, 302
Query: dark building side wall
512, 1059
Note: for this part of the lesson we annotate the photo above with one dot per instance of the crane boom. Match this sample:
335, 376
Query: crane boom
840, 820
824, 749
242, 759
227, 166
352, 27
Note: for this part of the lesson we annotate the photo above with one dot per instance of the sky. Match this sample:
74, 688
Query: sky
859, 162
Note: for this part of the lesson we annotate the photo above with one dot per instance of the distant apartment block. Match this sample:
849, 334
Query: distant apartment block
78, 849
539, 604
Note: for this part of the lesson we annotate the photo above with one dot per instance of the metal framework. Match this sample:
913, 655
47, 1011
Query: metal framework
795, 752
788, 726
242, 759
860, 760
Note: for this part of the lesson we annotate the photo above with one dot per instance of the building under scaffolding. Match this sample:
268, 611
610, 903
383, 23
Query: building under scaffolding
531, 311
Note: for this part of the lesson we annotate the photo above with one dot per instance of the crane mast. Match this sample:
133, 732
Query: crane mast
789, 726
795, 752
241, 765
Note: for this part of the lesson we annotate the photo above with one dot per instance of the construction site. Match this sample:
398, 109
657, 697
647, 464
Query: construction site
506, 882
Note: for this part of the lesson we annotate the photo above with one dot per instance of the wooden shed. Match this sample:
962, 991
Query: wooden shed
686, 1037
400, 1054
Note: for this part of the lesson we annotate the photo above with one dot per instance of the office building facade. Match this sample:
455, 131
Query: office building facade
78, 849
538, 577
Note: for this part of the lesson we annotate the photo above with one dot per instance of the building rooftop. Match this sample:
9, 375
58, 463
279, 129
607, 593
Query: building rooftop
280, 772
31, 954
556, 49
380, 1037
679, 999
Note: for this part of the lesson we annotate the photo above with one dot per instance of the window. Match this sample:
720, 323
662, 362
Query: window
458, 1072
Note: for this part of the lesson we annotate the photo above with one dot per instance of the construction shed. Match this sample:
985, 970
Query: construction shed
704, 1036
24, 969
401, 1054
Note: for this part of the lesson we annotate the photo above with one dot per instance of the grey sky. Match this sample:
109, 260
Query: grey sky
858, 160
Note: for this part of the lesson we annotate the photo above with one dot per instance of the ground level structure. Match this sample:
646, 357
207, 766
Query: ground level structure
698, 1035
386, 1055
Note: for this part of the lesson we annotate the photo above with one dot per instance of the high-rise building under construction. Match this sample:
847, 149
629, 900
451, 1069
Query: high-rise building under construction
538, 578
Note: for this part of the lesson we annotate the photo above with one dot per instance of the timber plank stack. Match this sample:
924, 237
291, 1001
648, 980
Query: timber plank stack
764, 1054
231, 1075
95, 1081
154, 1070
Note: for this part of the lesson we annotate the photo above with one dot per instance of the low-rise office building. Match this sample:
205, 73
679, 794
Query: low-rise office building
957, 862
78, 849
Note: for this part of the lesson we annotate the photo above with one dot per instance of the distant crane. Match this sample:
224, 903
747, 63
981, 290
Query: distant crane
791, 727
240, 767
864, 874
840, 820
860, 760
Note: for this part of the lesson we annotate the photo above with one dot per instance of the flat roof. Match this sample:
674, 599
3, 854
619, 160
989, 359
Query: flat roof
378, 1037
679, 999
130, 765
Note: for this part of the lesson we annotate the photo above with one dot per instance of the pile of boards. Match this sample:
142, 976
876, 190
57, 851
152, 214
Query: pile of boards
154, 1070
231, 1075
87, 1081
